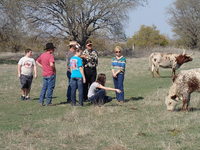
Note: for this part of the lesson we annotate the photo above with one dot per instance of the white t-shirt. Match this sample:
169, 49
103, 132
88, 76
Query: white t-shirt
92, 89
27, 65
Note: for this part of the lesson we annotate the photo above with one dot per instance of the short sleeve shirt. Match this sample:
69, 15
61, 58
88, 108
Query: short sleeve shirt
93, 88
119, 64
75, 64
45, 59
27, 65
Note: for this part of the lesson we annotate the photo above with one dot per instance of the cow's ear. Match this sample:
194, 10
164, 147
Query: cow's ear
173, 97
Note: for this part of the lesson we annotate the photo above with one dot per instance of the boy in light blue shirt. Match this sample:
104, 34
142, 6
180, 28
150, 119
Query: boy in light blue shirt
77, 77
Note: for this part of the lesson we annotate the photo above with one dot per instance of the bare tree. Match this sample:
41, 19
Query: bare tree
79, 19
11, 24
185, 20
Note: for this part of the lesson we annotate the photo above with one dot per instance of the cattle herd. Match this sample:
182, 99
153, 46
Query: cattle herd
184, 83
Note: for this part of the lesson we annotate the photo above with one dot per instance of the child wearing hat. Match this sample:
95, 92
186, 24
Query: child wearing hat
47, 62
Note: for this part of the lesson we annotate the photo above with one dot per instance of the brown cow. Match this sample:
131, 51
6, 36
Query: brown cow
165, 60
186, 82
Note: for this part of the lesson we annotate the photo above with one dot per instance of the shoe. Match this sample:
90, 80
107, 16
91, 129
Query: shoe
22, 98
68, 102
27, 98
73, 104
41, 104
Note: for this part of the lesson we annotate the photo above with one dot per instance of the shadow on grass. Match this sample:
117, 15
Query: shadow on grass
134, 99
7, 61
37, 98
165, 76
191, 109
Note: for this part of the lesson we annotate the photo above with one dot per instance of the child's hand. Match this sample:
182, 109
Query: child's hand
118, 91
84, 81
114, 75
19, 75
35, 76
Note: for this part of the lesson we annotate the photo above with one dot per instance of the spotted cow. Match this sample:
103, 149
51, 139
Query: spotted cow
167, 60
186, 82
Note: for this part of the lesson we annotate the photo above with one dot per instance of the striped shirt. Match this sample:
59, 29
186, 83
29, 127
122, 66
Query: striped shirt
119, 64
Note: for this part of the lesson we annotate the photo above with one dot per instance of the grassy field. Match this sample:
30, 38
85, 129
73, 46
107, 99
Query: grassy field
140, 123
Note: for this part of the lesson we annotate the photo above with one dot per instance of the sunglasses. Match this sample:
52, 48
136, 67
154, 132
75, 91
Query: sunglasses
117, 51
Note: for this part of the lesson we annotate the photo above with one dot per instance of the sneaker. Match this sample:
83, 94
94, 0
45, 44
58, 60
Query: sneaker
27, 98
22, 98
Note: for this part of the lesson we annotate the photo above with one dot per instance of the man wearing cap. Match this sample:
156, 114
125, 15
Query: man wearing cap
90, 61
69, 55
47, 63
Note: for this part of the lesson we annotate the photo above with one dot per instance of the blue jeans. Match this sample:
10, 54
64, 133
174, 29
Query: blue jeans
99, 97
47, 89
76, 83
68, 92
119, 84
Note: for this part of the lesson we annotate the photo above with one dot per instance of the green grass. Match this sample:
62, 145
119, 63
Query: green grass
140, 123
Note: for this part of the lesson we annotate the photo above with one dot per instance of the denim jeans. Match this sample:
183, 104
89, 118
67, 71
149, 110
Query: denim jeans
76, 83
119, 84
47, 89
68, 92
99, 97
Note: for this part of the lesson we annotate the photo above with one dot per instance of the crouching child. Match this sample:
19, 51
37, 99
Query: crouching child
97, 91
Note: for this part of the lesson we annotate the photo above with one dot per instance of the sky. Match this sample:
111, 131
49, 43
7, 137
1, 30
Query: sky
155, 13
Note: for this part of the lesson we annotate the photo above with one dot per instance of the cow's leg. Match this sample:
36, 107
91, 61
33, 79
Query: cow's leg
152, 70
173, 72
157, 71
186, 103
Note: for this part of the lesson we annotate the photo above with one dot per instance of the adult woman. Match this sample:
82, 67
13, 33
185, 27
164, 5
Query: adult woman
118, 71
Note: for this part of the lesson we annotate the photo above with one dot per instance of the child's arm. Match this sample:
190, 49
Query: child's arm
109, 88
52, 64
82, 72
19, 70
35, 71
115, 73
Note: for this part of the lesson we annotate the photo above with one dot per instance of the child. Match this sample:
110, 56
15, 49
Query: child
77, 77
118, 72
47, 62
96, 93
26, 66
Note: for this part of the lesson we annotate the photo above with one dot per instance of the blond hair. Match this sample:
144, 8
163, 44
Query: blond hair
118, 47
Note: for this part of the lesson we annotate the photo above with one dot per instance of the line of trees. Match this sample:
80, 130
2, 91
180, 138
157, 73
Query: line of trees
67, 19
33, 22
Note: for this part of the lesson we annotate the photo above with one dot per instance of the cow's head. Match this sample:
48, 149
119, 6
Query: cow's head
183, 58
171, 102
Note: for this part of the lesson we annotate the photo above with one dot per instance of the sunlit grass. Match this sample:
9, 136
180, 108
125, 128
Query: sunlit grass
140, 123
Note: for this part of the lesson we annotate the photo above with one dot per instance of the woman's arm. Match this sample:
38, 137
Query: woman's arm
109, 88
